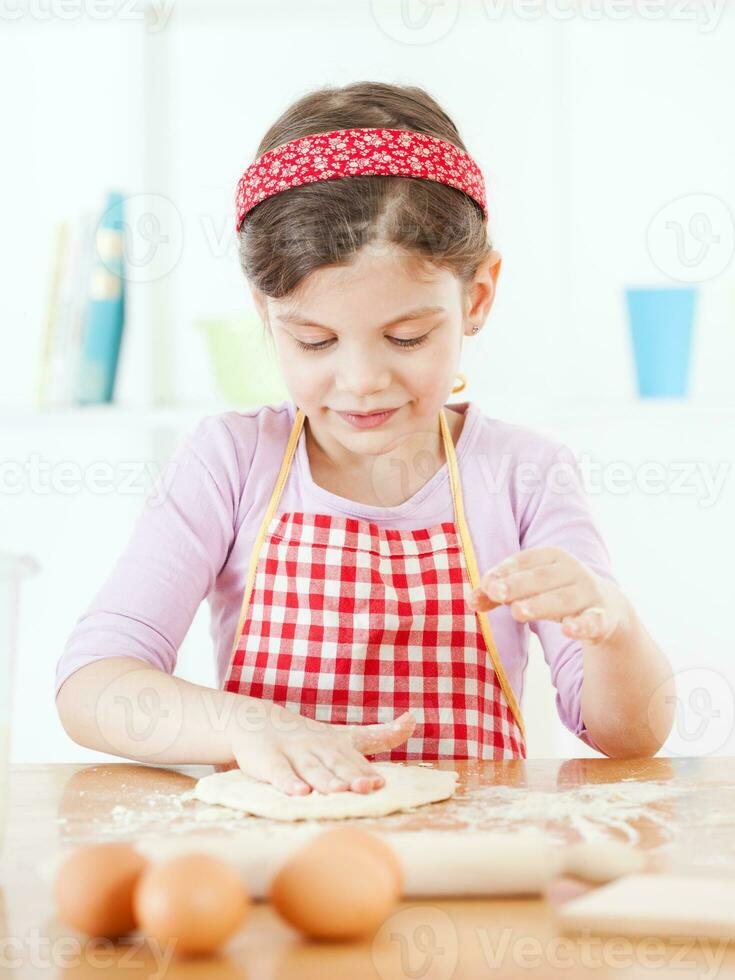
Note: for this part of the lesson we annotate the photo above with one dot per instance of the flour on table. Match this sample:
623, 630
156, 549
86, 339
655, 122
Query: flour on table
405, 787
593, 810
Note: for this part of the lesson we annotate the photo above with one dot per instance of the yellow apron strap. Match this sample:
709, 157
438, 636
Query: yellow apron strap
469, 554
269, 512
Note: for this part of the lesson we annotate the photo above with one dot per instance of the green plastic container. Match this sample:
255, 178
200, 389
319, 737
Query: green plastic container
243, 360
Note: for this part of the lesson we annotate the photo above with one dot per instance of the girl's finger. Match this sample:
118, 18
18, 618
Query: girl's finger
529, 558
523, 585
365, 768
350, 767
313, 771
527, 573
273, 767
570, 600
591, 624
369, 739
479, 601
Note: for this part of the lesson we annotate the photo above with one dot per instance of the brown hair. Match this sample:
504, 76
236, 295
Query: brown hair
287, 236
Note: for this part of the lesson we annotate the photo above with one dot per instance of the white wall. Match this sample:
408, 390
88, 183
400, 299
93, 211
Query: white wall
584, 131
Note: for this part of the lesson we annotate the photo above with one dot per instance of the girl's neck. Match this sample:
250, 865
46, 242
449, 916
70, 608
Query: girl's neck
386, 480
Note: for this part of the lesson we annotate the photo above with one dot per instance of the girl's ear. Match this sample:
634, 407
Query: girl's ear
495, 260
482, 290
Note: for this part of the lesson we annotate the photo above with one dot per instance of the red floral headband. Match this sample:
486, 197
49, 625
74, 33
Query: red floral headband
355, 152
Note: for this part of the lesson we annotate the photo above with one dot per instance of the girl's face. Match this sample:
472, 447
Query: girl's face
384, 332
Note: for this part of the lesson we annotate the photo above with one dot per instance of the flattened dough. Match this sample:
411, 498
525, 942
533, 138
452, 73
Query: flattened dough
405, 786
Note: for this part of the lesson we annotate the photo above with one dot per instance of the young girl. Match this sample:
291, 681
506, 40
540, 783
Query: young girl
353, 539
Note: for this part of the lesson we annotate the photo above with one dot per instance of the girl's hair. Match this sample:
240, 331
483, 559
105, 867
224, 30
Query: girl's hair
289, 235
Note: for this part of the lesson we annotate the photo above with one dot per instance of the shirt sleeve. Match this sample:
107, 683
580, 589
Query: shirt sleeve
558, 514
178, 545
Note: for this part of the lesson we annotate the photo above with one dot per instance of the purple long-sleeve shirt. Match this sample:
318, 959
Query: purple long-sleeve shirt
194, 536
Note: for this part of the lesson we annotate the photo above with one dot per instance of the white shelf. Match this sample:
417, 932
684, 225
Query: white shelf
670, 410
94, 416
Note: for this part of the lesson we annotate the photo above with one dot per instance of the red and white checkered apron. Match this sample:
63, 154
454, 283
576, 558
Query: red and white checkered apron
348, 623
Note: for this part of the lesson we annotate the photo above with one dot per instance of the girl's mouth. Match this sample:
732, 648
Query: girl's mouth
367, 421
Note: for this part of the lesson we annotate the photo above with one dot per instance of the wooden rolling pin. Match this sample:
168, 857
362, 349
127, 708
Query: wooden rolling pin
438, 863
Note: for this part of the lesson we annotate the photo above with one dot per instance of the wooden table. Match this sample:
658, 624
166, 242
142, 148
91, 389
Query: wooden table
435, 939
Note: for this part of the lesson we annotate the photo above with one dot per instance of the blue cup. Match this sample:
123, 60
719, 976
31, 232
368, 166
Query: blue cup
661, 323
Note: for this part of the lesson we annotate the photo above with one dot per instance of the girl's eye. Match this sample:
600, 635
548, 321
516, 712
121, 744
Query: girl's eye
408, 342
320, 346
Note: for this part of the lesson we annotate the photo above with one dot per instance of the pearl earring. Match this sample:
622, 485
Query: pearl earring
476, 329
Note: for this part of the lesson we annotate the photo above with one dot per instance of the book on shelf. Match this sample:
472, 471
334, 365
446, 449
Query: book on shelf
85, 310
45, 394
65, 311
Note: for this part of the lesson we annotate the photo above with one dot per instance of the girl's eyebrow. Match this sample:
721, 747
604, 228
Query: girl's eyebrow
409, 315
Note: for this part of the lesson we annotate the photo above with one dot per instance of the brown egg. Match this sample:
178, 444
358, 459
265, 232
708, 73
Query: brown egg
361, 838
336, 888
94, 889
196, 900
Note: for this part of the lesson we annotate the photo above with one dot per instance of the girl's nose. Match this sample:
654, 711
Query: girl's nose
363, 379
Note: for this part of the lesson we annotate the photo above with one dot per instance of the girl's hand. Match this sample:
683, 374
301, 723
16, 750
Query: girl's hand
550, 583
296, 753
